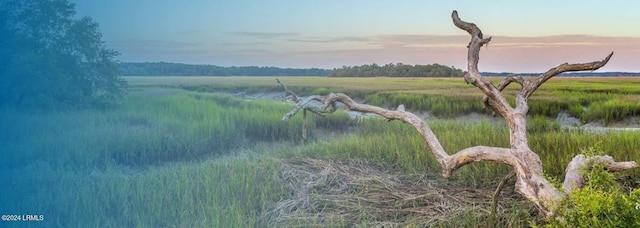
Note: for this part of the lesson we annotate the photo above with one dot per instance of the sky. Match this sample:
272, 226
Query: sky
528, 36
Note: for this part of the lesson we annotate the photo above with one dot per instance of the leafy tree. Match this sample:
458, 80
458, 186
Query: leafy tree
51, 60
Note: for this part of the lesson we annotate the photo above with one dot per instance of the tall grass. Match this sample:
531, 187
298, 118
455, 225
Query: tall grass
185, 159
148, 163
146, 131
589, 99
398, 145
188, 159
216, 193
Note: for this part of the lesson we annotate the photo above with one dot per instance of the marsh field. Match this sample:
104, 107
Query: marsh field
213, 152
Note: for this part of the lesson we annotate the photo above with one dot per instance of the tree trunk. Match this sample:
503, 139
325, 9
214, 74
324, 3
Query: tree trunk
530, 180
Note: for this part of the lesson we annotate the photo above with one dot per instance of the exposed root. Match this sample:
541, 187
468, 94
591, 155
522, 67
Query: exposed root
350, 194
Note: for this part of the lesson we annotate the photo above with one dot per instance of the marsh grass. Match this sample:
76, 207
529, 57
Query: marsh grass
589, 99
148, 131
154, 162
174, 158
221, 193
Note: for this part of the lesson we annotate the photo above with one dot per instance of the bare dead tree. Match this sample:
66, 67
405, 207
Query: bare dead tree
526, 164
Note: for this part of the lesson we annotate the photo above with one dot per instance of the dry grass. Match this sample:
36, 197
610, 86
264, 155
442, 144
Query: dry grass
348, 194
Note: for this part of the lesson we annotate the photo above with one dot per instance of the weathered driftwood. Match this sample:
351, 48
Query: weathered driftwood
530, 180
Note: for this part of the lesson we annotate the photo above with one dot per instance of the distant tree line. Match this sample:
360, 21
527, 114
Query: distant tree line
397, 70
180, 69
367, 70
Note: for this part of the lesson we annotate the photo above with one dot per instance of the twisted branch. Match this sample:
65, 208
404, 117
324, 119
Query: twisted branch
528, 87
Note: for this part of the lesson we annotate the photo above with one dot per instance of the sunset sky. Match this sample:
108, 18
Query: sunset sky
530, 36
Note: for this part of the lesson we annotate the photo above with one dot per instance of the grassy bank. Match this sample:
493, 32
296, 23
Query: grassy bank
174, 158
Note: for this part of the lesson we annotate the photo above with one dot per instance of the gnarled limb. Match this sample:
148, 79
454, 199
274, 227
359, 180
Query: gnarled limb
565, 67
289, 93
503, 84
306, 105
530, 181
473, 75
496, 194
528, 87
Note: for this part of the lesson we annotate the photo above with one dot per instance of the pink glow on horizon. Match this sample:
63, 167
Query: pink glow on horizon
503, 54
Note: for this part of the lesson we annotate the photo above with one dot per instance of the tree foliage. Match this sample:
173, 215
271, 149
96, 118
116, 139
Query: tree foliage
397, 70
51, 60
603, 202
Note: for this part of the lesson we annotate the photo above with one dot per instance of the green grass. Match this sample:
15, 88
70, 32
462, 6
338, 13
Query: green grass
589, 99
174, 158
222, 193
154, 162
148, 131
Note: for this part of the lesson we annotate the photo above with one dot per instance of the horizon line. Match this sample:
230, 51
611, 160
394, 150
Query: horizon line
320, 68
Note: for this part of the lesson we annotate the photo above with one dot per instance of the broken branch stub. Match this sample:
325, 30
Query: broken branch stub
530, 181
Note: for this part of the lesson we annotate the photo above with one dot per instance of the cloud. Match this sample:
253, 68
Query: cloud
387, 40
192, 32
244, 44
538, 54
564, 41
142, 44
406, 40
332, 40
263, 35
229, 54
141, 50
